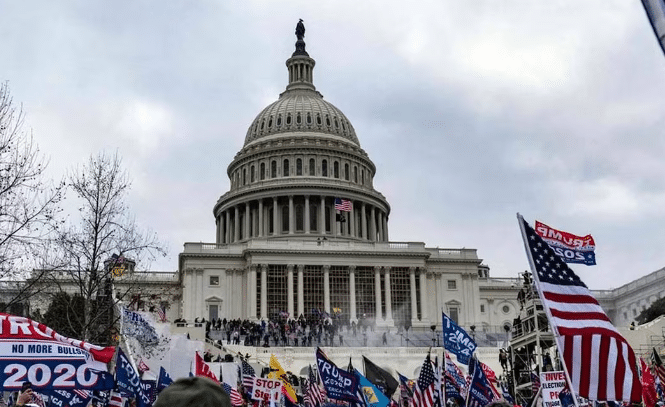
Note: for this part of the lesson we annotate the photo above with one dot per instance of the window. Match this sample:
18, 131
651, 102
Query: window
336, 169
299, 166
482, 308
313, 218
362, 178
251, 174
214, 280
298, 118
285, 168
453, 313
505, 309
355, 174
452, 284
273, 169
300, 218
244, 176
318, 119
279, 120
309, 118
288, 119
263, 171
312, 167
324, 168
346, 172
270, 122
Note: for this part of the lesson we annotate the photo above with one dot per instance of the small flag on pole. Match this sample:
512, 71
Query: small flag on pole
343, 205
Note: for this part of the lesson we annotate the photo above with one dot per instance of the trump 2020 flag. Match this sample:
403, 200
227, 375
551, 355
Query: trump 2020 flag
601, 364
457, 341
655, 10
571, 248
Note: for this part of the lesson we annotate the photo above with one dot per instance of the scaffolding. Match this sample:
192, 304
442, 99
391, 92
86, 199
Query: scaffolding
532, 345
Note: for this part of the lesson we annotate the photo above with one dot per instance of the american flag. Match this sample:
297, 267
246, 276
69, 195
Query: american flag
86, 394
248, 376
143, 367
314, 390
236, 397
535, 383
649, 395
343, 205
601, 364
161, 313
423, 396
116, 400
405, 390
657, 365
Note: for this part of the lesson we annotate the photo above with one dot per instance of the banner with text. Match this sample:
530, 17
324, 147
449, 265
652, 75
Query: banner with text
266, 389
30, 351
552, 383
571, 248
339, 384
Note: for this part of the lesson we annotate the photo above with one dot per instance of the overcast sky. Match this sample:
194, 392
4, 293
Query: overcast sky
471, 110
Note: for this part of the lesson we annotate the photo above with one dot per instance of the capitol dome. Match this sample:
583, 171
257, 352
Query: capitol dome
300, 159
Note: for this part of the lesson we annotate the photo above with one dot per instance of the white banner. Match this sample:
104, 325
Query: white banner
266, 389
552, 383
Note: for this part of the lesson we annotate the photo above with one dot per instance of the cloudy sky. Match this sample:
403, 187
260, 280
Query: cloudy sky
471, 110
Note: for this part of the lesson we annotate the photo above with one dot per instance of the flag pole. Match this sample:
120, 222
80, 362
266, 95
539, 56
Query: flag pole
557, 337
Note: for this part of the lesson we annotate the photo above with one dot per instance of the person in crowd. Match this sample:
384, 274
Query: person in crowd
193, 392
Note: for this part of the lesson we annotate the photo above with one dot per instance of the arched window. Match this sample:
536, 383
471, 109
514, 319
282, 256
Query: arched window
300, 218
355, 174
252, 174
309, 118
298, 118
244, 176
318, 119
270, 122
324, 168
285, 218
271, 220
288, 119
362, 177
299, 166
273, 169
285, 168
346, 172
336, 169
279, 120
313, 218
263, 171
312, 167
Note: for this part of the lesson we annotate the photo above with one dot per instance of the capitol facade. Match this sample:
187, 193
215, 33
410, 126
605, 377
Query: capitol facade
302, 229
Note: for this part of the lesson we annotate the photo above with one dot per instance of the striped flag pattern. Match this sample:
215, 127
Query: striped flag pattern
423, 396
657, 365
236, 397
535, 383
116, 400
649, 395
601, 364
248, 376
314, 391
343, 205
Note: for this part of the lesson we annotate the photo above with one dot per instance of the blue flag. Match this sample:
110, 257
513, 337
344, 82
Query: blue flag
128, 381
71, 398
457, 341
373, 396
339, 384
164, 380
480, 391
506, 395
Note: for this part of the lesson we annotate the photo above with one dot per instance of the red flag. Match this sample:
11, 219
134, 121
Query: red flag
491, 377
601, 363
202, 369
649, 394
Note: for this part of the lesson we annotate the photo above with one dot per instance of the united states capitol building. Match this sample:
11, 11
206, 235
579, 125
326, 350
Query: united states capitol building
283, 247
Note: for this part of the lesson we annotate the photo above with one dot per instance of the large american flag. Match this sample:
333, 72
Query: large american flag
314, 391
248, 376
423, 396
657, 365
601, 364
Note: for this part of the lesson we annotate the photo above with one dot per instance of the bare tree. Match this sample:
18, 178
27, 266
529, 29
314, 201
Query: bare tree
92, 245
29, 203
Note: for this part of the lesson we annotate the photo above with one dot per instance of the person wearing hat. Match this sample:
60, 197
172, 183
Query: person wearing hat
193, 392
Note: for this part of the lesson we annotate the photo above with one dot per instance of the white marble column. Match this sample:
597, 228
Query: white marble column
186, 294
377, 294
218, 227
264, 292
389, 297
306, 220
322, 218
386, 238
372, 226
363, 221
414, 302
236, 231
352, 294
292, 221
423, 293
227, 232
247, 215
379, 225
275, 229
289, 290
326, 288
261, 225
301, 289
252, 292
199, 294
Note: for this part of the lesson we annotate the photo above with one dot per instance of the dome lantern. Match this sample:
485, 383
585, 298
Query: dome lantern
300, 65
